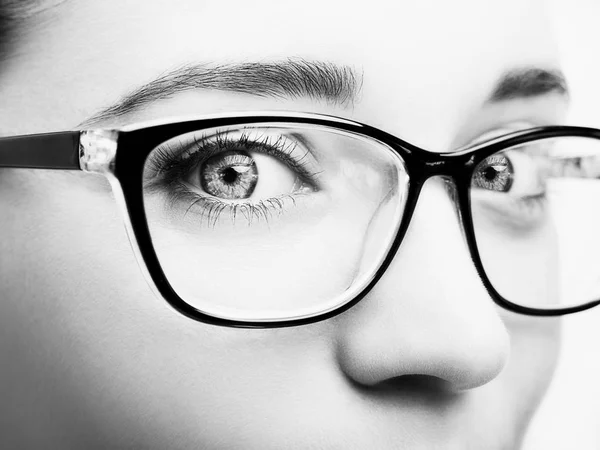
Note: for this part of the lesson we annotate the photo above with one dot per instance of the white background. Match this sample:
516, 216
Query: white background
569, 417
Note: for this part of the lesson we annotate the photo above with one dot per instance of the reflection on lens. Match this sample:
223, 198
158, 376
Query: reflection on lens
272, 221
536, 218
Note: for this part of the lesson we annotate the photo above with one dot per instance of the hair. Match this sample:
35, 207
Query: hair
13, 14
5, 21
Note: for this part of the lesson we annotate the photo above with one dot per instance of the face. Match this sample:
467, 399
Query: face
425, 360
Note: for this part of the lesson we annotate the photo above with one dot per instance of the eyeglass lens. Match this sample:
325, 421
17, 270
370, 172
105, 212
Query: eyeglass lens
272, 221
536, 216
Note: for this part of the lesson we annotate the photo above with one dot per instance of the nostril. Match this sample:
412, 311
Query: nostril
424, 390
417, 384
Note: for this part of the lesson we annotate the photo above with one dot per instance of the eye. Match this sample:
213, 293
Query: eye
511, 186
255, 171
495, 173
239, 174
521, 172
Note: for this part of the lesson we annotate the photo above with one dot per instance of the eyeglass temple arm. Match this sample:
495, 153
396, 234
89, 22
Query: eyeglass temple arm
41, 151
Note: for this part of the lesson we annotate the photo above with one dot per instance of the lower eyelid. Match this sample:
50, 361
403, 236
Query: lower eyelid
212, 210
502, 209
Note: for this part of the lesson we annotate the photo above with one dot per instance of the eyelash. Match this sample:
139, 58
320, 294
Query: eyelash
170, 164
212, 208
172, 161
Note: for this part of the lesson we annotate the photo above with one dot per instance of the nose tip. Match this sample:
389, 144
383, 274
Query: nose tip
478, 356
441, 345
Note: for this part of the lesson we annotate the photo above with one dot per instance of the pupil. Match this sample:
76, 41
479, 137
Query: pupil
489, 174
229, 175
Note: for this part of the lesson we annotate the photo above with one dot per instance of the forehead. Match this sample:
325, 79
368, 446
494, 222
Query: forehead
426, 65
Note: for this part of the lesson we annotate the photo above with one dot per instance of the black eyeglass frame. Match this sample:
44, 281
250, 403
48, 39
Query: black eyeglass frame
121, 154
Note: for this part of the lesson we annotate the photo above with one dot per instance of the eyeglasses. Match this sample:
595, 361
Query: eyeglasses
280, 219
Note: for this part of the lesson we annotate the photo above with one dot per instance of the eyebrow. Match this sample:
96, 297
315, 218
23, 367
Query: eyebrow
291, 78
529, 82
297, 78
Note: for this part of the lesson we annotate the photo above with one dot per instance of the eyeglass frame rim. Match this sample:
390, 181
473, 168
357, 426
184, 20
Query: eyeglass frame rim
120, 155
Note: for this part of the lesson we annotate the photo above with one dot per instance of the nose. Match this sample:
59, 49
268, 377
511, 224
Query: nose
429, 315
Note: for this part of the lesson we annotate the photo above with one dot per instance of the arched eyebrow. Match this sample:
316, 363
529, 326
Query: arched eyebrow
529, 82
291, 78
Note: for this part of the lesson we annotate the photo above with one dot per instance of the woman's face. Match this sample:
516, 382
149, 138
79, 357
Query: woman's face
425, 360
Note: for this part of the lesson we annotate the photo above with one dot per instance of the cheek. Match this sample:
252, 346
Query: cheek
260, 269
92, 349
67, 239
91, 338
505, 406
535, 346
523, 266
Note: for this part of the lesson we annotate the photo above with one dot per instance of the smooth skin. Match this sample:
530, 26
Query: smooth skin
92, 359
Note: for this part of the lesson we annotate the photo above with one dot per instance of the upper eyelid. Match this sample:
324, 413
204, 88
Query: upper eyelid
483, 139
498, 132
220, 138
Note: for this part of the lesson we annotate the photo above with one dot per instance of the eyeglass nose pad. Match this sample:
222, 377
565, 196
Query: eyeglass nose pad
452, 191
383, 218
